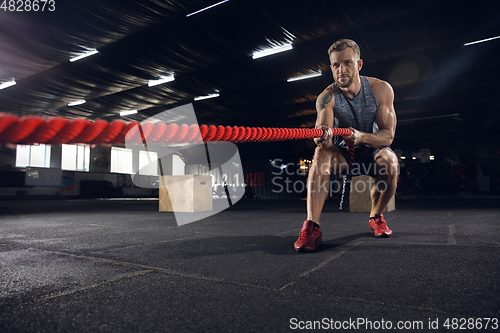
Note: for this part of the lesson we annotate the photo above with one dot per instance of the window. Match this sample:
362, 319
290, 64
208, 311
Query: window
178, 166
37, 155
75, 157
148, 163
121, 160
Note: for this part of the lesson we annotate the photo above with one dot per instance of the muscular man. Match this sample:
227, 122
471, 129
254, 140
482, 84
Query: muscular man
365, 106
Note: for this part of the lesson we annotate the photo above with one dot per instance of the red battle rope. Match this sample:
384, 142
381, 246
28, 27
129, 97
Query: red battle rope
58, 130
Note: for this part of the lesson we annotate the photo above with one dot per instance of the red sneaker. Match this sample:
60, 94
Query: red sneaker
309, 238
379, 227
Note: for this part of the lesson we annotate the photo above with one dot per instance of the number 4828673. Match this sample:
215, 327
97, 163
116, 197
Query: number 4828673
28, 5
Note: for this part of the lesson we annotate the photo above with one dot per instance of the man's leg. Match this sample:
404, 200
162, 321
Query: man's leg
386, 174
386, 169
325, 161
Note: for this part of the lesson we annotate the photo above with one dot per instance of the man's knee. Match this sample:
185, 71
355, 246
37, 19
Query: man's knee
387, 163
329, 160
322, 160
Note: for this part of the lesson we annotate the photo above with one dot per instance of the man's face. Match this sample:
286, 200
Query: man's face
345, 67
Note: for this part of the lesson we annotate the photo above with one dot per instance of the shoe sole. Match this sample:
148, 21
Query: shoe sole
317, 243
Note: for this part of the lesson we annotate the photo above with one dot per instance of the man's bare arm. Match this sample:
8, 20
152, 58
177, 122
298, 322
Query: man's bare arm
385, 118
324, 119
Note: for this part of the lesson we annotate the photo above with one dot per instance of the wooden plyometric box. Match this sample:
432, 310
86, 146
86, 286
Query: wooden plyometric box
186, 193
359, 197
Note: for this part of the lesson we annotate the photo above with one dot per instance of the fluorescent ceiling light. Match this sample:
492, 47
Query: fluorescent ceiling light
199, 98
272, 50
7, 84
161, 80
199, 11
306, 76
481, 41
128, 113
85, 55
79, 102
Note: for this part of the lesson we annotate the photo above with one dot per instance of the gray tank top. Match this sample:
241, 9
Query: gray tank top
357, 112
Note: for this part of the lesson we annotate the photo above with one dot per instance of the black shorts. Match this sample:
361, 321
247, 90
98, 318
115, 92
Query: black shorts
360, 160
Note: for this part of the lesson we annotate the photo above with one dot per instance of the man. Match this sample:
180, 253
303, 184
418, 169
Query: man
365, 105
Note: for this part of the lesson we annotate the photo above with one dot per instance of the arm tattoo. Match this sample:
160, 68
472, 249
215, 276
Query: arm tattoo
323, 101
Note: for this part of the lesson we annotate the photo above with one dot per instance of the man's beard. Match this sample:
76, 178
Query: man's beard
349, 82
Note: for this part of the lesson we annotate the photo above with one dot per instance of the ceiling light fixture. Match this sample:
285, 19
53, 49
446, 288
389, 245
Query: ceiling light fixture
79, 102
84, 55
161, 80
455, 116
481, 41
199, 98
306, 76
199, 11
272, 50
128, 113
7, 84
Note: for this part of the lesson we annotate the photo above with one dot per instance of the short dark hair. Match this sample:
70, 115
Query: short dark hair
343, 44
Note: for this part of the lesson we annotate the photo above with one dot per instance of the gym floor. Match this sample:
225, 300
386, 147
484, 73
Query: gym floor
123, 266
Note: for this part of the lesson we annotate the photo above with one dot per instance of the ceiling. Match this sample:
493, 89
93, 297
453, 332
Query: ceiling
443, 89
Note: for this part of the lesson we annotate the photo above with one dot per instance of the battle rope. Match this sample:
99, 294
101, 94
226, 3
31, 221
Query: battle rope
58, 130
